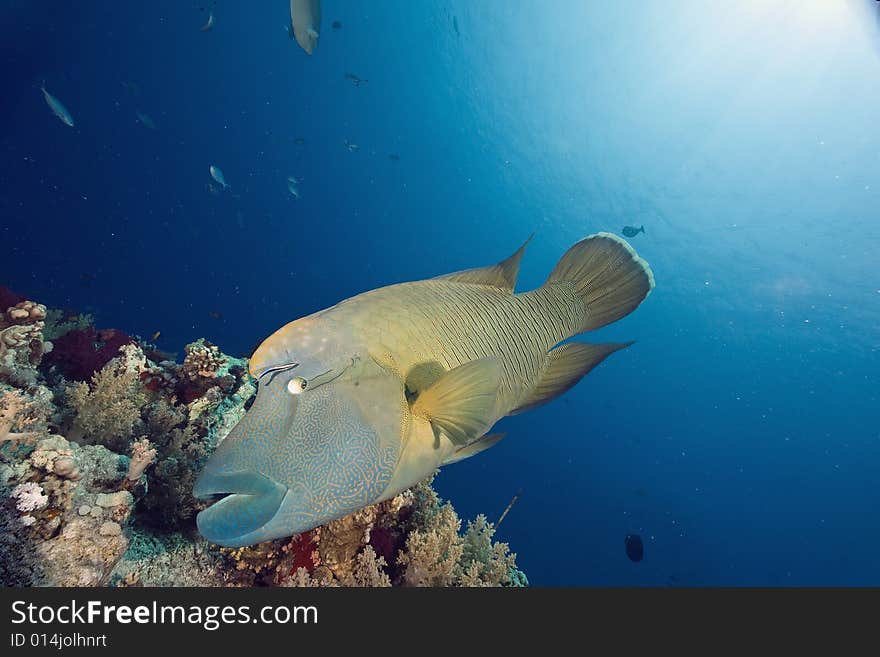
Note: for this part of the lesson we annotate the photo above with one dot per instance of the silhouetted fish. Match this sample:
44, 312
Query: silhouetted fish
395, 157
299, 141
215, 314
632, 231
336, 25
635, 549
145, 120
357, 81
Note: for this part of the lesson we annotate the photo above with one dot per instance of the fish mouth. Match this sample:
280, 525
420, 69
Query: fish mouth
244, 503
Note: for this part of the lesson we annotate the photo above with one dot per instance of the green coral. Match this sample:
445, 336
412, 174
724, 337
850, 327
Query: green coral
108, 409
59, 322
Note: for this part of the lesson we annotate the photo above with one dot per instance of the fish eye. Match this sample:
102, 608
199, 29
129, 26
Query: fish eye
296, 385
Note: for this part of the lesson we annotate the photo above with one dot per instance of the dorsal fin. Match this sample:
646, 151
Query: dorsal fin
503, 275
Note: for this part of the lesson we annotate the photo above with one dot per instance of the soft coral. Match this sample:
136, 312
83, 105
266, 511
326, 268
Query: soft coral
8, 298
79, 353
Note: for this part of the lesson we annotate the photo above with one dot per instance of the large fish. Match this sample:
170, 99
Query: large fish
305, 23
57, 107
360, 401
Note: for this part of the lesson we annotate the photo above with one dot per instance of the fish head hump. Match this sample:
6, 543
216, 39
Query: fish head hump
321, 440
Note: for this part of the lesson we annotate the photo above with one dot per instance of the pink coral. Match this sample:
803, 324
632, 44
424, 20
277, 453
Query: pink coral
142, 455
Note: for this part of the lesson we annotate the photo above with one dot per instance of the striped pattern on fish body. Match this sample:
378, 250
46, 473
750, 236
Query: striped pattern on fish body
447, 324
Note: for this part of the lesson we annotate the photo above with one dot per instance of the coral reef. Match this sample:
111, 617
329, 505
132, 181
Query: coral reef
81, 352
101, 439
21, 342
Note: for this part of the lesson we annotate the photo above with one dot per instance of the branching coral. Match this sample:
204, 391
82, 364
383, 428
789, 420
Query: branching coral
108, 410
369, 570
432, 553
14, 408
482, 562
142, 456
21, 342
29, 497
59, 323
202, 369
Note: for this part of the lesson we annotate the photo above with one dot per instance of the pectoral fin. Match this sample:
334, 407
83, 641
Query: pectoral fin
567, 365
503, 275
475, 447
461, 403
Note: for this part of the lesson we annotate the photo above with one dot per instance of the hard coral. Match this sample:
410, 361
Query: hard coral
142, 456
79, 353
15, 410
21, 342
72, 533
204, 367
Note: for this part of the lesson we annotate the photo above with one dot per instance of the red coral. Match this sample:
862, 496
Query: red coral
386, 542
8, 298
299, 554
78, 354
152, 382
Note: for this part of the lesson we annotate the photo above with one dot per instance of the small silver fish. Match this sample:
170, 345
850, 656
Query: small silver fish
145, 120
217, 175
292, 187
57, 107
350, 146
355, 79
207, 27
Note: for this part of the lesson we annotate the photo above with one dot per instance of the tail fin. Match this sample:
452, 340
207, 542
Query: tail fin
607, 275
642, 228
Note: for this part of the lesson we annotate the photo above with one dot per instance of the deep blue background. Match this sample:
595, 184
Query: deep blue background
739, 436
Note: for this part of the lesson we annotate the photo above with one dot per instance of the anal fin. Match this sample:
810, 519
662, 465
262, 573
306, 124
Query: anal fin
477, 446
567, 365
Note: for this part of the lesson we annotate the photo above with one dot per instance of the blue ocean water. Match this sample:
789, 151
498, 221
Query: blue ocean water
739, 436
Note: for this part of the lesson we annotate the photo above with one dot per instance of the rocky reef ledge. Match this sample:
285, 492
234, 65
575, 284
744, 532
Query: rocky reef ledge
101, 438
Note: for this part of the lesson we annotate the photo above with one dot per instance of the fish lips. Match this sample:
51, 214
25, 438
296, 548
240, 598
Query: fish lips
251, 500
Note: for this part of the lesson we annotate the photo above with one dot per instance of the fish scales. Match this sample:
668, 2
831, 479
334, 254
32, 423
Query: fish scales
454, 323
